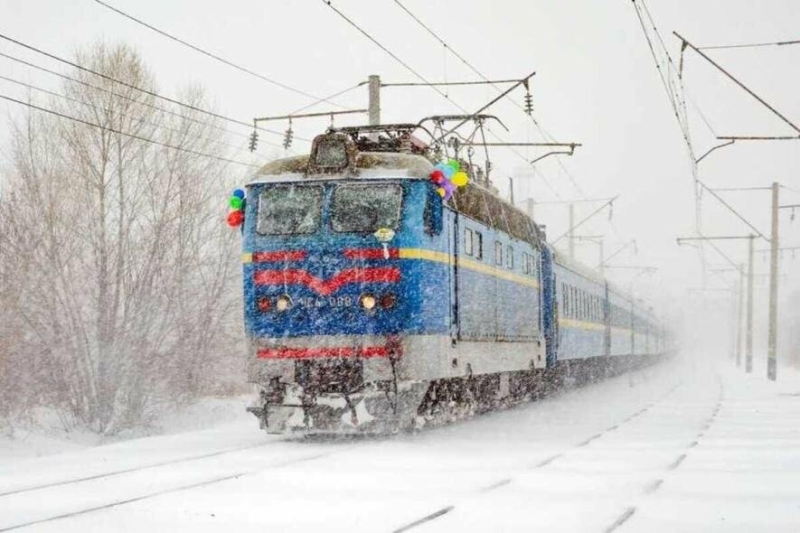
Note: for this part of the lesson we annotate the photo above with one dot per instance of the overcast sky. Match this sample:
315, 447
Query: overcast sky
595, 84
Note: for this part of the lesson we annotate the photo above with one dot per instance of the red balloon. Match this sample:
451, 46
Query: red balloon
235, 218
437, 176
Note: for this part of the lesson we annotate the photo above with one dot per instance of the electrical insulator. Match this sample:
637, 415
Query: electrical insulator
287, 139
528, 103
253, 141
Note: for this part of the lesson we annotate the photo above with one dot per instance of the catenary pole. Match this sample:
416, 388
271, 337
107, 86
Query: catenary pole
374, 99
749, 348
739, 317
772, 339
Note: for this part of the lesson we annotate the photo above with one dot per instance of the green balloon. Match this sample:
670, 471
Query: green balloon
454, 164
236, 202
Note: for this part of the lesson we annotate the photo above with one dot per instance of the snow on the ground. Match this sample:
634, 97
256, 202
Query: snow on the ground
45, 435
688, 447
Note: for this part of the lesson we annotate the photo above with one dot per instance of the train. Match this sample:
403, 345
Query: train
373, 304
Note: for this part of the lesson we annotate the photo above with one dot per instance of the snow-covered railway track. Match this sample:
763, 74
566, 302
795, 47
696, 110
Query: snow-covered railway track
111, 473
96, 493
479, 492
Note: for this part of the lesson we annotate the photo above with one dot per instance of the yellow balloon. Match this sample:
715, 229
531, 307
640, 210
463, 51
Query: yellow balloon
460, 179
441, 192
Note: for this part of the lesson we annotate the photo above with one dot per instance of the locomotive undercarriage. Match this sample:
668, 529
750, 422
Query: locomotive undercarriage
331, 397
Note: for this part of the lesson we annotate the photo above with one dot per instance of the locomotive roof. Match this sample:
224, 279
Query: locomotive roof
369, 165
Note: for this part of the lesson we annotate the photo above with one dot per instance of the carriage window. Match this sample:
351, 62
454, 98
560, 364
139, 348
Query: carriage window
526, 263
509, 257
498, 252
574, 301
289, 210
478, 245
358, 208
468, 236
565, 298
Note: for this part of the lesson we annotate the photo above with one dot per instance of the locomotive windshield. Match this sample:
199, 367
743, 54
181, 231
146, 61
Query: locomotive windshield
289, 210
364, 208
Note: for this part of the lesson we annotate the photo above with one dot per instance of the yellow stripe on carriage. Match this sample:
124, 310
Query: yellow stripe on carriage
581, 324
247, 258
470, 264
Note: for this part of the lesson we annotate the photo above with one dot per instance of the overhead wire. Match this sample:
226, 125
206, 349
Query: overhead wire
216, 57
389, 52
127, 134
411, 69
334, 95
750, 45
125, 97
141, 89
105, 109
469, 65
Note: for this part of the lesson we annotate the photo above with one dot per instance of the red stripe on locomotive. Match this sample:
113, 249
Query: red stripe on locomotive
325, 288
268, 257
314, 353
371, 253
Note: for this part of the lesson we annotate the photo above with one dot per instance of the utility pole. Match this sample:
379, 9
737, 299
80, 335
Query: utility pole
749, 350
571, 236
374, 99
739, 317
772, 367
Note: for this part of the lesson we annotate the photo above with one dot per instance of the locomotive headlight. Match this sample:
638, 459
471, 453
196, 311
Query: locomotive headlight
388, 300
283, 303
264, 304
368, 301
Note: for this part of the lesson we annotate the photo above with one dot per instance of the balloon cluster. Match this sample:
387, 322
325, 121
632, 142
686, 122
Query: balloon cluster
236, 203
449, 176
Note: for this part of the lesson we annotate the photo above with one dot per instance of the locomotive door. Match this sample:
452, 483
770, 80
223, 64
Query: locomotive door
453, 253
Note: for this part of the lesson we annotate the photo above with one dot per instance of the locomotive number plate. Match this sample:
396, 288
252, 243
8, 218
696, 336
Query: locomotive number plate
331, 301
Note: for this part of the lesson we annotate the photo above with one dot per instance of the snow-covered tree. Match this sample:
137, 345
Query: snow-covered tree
118, 279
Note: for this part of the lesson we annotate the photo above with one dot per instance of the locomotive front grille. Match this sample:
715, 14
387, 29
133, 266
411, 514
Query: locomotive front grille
336, 375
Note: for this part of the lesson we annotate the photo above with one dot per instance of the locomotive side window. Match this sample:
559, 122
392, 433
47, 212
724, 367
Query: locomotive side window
498, 253
468, 236
510, 257
358, 208
289, 210
478, 245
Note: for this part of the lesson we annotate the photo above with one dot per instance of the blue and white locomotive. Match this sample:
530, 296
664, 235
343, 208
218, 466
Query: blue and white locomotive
372, 305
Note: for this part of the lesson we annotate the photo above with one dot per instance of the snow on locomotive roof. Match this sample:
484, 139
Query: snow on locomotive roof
369, 165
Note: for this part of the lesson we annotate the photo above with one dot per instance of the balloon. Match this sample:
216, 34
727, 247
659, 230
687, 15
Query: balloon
239, 193
460, 178
437, 176
235, 218
441, 191
440, 166
236, 203
454, 164
448, 172
448, 187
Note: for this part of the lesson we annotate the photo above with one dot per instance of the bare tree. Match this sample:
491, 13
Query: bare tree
118, 266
